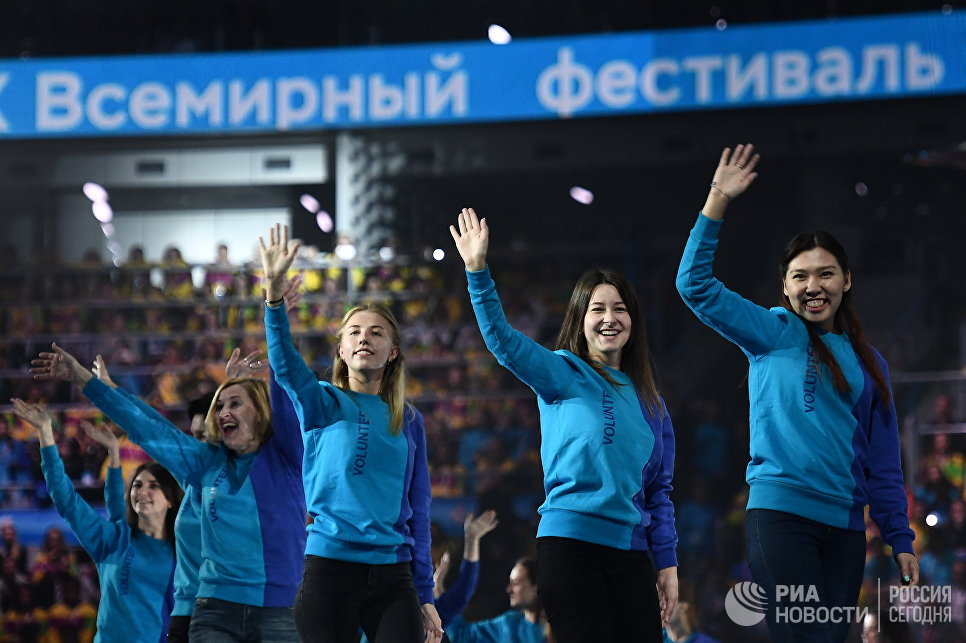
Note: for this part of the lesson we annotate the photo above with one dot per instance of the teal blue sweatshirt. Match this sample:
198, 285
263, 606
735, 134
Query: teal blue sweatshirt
136, 571
253, 507
509, 627
815, 452
607, 461
367, 490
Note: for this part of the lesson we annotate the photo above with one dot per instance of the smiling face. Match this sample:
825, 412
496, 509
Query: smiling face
237, 419
366, 344
607, 325
815, 284
147, 497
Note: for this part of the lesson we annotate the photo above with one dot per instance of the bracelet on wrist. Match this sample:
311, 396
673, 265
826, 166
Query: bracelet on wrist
714, 184
274, 303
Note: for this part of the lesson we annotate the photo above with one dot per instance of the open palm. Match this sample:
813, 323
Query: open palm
472, 239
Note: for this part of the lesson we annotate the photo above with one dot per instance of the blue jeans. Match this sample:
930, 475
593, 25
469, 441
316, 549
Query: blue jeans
787, 551
218, 621
337, 598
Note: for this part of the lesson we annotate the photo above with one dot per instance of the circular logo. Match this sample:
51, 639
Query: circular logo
746, 603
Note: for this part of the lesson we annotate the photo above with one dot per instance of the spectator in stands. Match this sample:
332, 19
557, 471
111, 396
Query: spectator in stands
608, 500
451, 601
135, 556
524, 622
367, 560
824, 435
683, 626
53, 564
177, 274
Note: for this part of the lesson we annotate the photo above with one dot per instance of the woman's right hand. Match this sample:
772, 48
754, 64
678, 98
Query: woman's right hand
735, 172
60, 365
472, 239
277, 258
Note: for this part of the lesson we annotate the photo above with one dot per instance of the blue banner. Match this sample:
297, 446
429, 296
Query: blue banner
548, 78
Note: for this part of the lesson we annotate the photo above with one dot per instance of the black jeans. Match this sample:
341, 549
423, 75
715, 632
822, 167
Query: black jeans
596, 593
178, 629
336, 598
814, 565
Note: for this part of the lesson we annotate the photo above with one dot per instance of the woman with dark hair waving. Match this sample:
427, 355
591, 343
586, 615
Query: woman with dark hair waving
366, 476
824, 436
607, 452
248, 473
134, 555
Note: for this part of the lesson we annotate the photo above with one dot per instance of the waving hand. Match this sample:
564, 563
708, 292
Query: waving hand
472, 239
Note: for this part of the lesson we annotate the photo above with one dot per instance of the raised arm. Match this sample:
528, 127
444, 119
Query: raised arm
114, 494
753, 328
453, 600
183, 456
536, 366
95, 534
291, 372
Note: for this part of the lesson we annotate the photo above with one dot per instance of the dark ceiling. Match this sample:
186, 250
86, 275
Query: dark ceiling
44, 28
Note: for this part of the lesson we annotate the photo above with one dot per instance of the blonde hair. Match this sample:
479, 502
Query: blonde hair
258, 392
392, 389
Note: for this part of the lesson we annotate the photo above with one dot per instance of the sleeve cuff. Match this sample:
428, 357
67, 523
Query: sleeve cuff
706, 229
274, 316
902, 545
665, 559
425, 595
94, 389
479, 280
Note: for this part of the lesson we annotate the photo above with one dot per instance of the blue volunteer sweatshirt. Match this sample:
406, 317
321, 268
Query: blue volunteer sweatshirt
367, 490
253, 507
815, 452
509, 627
607, 461
135, 570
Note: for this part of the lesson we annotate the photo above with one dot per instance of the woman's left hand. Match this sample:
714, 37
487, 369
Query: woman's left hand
434, 627
667, 592
908, 569
100, 370
248, 366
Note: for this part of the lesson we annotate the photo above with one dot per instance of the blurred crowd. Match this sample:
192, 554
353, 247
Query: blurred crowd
166, 331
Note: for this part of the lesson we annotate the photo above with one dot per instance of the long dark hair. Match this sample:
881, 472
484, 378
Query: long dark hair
172, 493
635, 356
846, 320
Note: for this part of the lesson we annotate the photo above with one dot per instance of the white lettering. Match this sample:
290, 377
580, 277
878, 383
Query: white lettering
649, 88
755, 75
616, 83
58, 104
188, 103
702, 66
241, 105
333, 98
790, 74
96, 112
296, 100
455, 91
923, 71
834, 74
889, 57
385, 101
150, 105
565, 86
